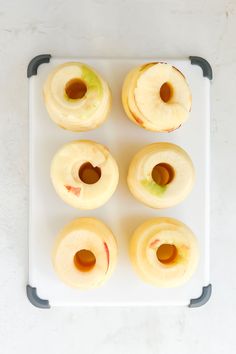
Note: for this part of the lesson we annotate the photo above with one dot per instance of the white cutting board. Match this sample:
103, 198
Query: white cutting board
49, 214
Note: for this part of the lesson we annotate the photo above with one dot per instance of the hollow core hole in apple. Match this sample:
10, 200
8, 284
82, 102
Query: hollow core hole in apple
166, 92
163, 174
84, 260
89, 174
167, 253
75, 89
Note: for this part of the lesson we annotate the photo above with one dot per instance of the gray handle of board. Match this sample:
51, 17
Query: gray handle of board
44, 304
33, 65
45, 58
203, 298
207, 72
35, 299
204, 65
31, 292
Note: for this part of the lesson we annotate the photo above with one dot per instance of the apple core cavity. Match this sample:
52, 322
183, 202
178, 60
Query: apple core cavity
84, 260
89, 174
75, 89
162, 174
167, 253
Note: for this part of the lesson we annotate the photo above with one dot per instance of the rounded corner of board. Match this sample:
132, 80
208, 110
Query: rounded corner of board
204, 65
35, 300
203, 298
33, 65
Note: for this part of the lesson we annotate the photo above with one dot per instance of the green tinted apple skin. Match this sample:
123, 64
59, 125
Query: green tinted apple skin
92, 80
153, 187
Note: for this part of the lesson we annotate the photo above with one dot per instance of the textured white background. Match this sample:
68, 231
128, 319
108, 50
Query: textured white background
115, 28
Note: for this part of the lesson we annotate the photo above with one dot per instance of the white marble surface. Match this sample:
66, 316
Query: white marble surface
115, 28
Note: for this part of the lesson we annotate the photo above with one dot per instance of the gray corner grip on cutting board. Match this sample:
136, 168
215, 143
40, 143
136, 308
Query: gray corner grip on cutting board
202, 300
203, 63
35, 300
35, 62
